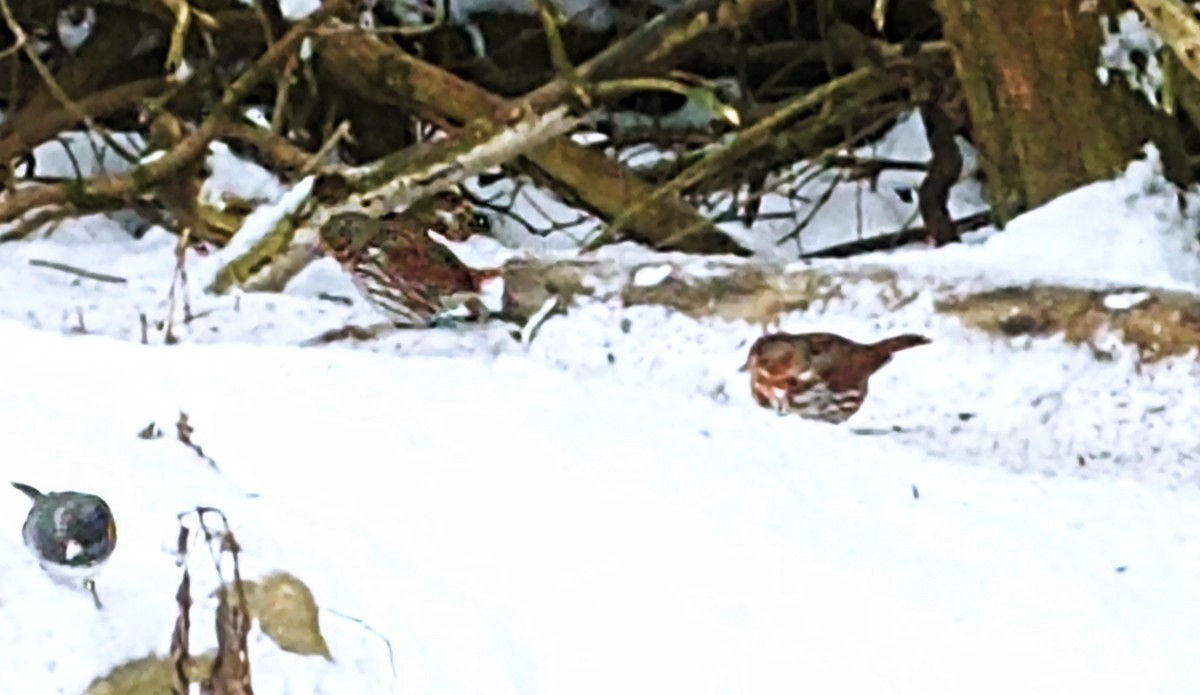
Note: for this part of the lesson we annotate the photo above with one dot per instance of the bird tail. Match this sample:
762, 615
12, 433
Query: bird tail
900, 342
30, 491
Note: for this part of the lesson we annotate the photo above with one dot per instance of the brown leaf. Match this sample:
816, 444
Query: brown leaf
150, 675
287, 613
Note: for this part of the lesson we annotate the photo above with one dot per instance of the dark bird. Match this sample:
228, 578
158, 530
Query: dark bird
72, 534
818, 376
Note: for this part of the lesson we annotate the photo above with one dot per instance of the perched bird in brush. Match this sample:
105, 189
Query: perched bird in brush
400, 269
72, 534
818, 376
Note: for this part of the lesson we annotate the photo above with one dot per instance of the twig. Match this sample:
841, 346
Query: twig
815, 208
178, 286
80, 327
18, 46
551, 17
184, 431
933, 195
90, 275
340, 134
283, 90
367, 626
871, 167
277, 150
879, 16
892, 240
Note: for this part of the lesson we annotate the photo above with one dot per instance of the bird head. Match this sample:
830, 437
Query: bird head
457, 216
348, 234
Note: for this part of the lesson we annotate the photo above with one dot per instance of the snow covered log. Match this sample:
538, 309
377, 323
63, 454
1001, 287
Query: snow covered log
1159, 323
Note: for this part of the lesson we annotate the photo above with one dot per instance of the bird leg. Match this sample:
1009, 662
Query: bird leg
90, 585
353, 332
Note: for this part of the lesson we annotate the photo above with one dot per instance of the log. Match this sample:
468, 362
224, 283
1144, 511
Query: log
1157, 323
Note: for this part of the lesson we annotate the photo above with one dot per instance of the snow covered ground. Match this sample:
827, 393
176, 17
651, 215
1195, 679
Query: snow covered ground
605, 509
512, 528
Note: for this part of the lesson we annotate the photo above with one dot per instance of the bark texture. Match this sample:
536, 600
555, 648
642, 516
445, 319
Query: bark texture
1041, 117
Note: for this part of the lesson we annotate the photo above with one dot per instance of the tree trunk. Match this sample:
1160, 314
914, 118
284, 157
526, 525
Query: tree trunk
1041, 118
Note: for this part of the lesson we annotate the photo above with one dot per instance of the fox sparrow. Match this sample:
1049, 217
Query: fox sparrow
818, 376
400, 269
72, 534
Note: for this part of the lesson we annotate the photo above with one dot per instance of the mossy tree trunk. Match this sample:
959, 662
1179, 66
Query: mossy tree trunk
1042, 119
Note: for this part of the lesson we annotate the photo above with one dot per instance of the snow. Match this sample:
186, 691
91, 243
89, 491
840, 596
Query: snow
595, 504
74, 154
594, 15
1121, 301
232, 175
1131, 37
650, 276
257, 226
1135, 229
298, 9
703, 549
74, 27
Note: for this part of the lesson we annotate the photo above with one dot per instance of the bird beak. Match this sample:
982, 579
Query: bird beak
317, 250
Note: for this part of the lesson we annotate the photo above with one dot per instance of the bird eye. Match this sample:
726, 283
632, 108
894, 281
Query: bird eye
481, 222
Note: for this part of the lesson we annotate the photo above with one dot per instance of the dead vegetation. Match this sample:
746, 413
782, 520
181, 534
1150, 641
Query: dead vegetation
281, 604
362, 110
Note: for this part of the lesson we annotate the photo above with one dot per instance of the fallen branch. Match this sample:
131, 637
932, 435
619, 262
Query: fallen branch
372, 70
31, 132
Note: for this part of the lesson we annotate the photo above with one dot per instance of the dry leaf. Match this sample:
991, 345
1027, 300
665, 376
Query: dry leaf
151, 675
287, 613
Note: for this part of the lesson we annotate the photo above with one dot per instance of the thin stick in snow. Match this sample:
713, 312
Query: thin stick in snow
81, 272
183, 431
178, 284
366, 626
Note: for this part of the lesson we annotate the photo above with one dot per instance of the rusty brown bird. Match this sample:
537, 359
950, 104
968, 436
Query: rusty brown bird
399, 268
818, 376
